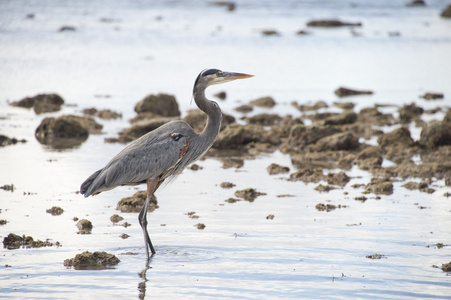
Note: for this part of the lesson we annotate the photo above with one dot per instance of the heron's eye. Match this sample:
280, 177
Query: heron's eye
218, 74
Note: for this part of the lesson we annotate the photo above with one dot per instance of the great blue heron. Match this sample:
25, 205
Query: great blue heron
164, 152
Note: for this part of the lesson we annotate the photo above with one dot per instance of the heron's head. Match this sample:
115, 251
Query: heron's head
214, 76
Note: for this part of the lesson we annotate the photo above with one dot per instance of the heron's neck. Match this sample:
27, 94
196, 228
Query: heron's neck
214, 116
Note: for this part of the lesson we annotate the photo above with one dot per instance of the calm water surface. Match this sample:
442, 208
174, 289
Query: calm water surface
128, 50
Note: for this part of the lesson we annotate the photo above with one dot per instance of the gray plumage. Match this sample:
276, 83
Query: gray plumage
164, 152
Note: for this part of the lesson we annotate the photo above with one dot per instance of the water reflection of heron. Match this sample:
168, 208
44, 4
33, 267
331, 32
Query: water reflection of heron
164, 152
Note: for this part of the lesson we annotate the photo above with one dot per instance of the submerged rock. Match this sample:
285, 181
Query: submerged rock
6, 141
14, 241
162, 104
136, 202
331, 23
227, 185
345, 92
432, 96
416, 3
41, 103
92, 261
248, 194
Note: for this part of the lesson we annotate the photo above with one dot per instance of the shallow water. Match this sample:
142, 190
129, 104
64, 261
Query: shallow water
160, 46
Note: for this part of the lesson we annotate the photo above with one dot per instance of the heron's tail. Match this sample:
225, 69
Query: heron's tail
87, 187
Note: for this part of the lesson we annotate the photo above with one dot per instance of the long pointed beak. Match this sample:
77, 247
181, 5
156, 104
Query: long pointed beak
233, 75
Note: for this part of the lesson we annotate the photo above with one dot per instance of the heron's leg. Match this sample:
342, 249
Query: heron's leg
152, 185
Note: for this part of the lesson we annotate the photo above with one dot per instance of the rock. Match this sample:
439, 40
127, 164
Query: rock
231, 162
237, 136
330, 23
7, 187
268, 32
244, 108
136, 202
425, 171
6, 141
375, 256
421, 186
41, 103
274, 169
303, 32
346, 117
324, 188
195, 167
416, 3
227, 185
129, 134
446, 267
116, 218
410, 112
92, 261
14, 241
84, 226
433, 96
398, 137
339, 141
447, 118
344, 105
370, 158
307, 175
200, 226
316, 106
325, 207
371, 115
221, 95
264, 119
55, 211
380, 186
162, 104
446, 13
323, 160
264, 102
339, 178
300, 136
105, 114
198, 120
248, 194
345, 92
67, 28
62, 132
436, 134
